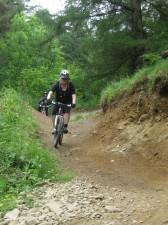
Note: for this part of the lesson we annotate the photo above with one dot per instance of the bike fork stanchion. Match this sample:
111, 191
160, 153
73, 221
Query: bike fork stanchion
56, 133
55, 122
61, 130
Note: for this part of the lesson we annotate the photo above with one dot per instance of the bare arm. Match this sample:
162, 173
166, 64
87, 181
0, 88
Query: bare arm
49, 95
74, 99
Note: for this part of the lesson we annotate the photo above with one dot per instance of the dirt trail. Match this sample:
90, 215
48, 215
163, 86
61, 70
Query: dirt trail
128, 156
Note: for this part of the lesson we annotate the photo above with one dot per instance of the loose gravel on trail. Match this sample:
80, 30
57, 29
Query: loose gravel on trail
81, 201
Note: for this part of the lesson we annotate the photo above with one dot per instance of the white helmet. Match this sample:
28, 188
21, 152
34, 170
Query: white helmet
64, 74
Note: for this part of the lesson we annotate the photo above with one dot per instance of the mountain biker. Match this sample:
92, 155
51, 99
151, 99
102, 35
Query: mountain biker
43, 102
65, 93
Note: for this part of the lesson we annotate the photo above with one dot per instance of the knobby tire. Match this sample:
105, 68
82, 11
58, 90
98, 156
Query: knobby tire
58, 136
61, 131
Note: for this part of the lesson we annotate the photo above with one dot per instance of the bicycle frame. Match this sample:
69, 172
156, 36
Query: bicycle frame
59, 124
43, 108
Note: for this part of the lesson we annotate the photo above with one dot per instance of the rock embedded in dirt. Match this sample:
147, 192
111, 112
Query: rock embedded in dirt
122, 125
143, 118
12, 215
158, 118
111, 209
165, 222
13, 223
32, 221
112, 223
112, 161
146, 135
97, 216
99, 197
48, 223
95, 132
54, 207
76, 149
123, 149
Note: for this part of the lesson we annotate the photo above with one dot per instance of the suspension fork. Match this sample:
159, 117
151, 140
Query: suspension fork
55, 121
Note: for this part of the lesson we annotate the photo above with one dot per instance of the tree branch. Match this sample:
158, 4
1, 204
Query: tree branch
121, 4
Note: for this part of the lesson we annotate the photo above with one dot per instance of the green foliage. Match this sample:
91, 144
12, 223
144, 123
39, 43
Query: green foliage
23, 160
151, 58
31, 63
98, 40
28, 63
7, 202
7, 10
127, 84
109, 39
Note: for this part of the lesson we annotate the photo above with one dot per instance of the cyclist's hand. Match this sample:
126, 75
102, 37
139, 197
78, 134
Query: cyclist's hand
73, 105
48, 101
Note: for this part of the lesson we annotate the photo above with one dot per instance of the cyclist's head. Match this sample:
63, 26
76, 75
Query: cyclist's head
64, 75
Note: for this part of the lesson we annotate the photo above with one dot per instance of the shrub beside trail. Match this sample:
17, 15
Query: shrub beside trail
23, 160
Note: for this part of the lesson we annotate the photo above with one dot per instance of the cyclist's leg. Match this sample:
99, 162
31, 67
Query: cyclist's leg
66, 118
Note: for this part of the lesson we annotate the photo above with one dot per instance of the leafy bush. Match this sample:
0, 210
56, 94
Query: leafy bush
23, 160
151, 58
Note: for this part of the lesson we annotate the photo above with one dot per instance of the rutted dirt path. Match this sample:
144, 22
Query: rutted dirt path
120, 175
111, 161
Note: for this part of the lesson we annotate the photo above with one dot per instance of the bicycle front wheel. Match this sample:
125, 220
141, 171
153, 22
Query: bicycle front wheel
56, 139
61, 138
61, 130
56, 134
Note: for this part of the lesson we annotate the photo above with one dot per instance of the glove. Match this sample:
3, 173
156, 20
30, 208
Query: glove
48, 101
73, 106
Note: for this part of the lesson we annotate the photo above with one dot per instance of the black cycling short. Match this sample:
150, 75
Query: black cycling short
66, 109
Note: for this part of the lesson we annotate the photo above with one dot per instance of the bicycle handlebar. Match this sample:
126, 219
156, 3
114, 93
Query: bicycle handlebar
61, 104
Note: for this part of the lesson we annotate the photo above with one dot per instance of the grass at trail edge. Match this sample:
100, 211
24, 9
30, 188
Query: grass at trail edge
23, 160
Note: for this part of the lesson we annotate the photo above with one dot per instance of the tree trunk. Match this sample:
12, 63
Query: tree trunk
136, 19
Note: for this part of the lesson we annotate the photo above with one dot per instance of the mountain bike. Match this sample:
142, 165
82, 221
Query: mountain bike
59, 124
43, 108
